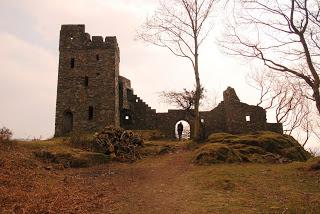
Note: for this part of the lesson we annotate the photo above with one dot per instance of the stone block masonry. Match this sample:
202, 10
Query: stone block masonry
88, 91
91, 95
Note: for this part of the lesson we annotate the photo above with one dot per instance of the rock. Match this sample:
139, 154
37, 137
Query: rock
48, 168
260, 147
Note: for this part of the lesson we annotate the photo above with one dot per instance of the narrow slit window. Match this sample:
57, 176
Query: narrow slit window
72, 62
86, 81
97, 57
90, 113
248, 118
127, 117
137, 100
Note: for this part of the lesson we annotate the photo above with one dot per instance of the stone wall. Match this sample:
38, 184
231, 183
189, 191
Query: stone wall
136, 115
87, 92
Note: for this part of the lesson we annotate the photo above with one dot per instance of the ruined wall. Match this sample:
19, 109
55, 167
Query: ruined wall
135, 113
214, 120
91, 95
85, 100
166, 121
241, 117
230, 116
275, 127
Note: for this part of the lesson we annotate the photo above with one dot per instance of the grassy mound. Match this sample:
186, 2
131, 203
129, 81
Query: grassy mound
217, 153
260, 147
313, 164
72, 160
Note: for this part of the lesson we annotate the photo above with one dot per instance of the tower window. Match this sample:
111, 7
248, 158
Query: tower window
248, 118
86, 81
97, 57
90, 113
72, 63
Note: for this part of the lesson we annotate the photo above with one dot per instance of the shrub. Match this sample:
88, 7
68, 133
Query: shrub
5, 134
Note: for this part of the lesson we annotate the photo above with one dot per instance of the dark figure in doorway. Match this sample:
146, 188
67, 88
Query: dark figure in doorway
180, 129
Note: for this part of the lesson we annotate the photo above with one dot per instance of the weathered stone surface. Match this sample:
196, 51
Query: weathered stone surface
87, 82
91, 95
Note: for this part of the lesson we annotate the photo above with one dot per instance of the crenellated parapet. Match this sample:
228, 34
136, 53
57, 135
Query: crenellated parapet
74, 37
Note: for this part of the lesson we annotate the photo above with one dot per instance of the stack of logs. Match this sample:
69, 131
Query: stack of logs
120, 144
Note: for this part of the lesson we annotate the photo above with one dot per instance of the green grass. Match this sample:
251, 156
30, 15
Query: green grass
256, 188
152, 148
60, 151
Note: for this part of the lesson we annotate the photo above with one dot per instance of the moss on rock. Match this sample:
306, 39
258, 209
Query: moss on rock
261, 147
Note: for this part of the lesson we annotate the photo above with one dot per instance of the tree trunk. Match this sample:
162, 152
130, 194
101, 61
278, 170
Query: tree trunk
316, 96
197, 101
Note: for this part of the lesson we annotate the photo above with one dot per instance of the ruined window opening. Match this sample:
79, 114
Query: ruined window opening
97, 57
72, 63
248, 118
202, 120
137, 100
90, 113
71, 38
127, 119
86, 81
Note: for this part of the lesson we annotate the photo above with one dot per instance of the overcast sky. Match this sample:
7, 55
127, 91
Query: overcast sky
29, 35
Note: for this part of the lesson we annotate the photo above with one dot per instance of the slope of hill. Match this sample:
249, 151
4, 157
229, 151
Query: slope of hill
166, 183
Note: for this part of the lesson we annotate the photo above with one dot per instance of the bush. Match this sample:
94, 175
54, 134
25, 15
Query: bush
5, 134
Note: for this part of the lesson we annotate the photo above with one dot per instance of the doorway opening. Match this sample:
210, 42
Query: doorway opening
185, 131
67, 122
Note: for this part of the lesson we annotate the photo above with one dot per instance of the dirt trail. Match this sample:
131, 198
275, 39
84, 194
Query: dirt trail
159, 185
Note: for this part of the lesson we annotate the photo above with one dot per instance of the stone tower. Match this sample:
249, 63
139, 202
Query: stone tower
88, 91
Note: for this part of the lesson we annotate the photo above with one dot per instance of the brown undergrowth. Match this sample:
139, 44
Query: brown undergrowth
166, 183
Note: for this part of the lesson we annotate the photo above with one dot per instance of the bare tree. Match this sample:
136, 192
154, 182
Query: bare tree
290, 106
184, 99
181, 26
283, 35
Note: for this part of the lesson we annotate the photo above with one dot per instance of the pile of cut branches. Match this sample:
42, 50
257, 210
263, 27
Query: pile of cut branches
120, 144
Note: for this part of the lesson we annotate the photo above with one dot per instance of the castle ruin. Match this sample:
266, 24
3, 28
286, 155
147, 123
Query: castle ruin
91, 94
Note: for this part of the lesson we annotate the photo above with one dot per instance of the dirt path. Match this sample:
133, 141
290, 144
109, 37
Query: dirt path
159, 185
153, 185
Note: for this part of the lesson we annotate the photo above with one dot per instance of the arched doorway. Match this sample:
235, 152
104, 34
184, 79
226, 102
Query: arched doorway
186, 130
67, 122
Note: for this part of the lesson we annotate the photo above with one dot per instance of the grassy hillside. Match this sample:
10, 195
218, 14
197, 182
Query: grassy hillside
164, 181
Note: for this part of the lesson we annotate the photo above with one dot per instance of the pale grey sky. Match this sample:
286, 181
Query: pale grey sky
29, 34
